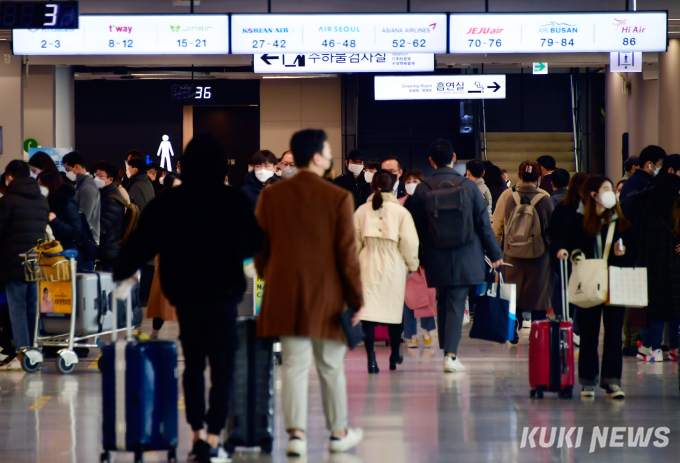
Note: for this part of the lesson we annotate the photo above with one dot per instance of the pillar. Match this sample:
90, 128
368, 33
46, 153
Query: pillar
669, 97
39, 105
64, 108
11, 94
643, 113
616, 123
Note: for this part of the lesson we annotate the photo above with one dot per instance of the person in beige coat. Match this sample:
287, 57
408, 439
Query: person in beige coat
387, 244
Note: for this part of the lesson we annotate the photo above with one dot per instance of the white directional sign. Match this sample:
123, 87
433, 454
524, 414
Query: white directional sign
129, 35
625, 62
343, 62
558, 32
348, 33
440, 87
540, 68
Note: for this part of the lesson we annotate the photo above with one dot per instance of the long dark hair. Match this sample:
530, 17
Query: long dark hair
42, 161
493, 176
573, 197
51, 179
382, 181
592, 223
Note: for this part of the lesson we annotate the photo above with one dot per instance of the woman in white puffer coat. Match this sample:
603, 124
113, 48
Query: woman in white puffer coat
387, 243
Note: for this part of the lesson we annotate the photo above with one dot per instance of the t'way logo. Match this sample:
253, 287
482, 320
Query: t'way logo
124, 29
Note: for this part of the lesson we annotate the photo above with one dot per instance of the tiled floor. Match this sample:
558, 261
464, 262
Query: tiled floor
417, 414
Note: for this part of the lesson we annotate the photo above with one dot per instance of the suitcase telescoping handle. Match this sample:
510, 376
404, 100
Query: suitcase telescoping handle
123, 292
564, 281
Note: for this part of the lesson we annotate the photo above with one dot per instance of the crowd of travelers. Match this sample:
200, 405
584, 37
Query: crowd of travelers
293, 210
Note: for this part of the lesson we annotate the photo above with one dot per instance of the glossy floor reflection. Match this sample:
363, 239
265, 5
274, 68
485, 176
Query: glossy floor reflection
417, 414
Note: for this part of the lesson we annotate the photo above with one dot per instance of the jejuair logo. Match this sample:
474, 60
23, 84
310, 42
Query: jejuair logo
174, 28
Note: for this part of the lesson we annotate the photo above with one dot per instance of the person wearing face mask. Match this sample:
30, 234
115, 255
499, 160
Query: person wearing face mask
394, 166
112, 213
264, 164
370, 168
651, 159
353, 180
23, 219
588, 231
475, 172
493, 177
657, 252
40, 161
619, 187
87, 193
288, 166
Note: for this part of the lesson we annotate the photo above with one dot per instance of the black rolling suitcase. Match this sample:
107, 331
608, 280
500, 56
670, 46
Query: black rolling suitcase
251, 406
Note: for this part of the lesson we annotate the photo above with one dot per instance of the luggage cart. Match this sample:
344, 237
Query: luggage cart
67, 359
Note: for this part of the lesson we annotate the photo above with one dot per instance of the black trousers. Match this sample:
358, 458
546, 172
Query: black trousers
145, 283
612, 359
208, 331
394, 331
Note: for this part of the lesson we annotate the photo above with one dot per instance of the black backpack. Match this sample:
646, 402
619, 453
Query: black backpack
449, 211
86, 245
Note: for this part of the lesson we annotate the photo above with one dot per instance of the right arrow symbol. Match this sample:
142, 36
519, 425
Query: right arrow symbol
540, 66
266, 58
495, 86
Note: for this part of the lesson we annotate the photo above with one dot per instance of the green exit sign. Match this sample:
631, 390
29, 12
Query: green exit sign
540, 68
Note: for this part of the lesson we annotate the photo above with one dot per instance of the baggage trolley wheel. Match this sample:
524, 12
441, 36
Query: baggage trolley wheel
63, 369
278, 358
267, 446
28, 366
139, 457
105, 457
172, 455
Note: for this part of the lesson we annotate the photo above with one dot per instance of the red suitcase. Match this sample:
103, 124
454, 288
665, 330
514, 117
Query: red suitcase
551, 351
381, 334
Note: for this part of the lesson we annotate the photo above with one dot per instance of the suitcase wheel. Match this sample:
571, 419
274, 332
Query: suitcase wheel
537, 393
105, 457
567, 393
267, 447
172, 455
139, 457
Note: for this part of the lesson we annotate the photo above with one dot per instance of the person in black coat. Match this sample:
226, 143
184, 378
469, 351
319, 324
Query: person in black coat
264, 163
651, 159
493, 177
548, 165
23, 220
65, 220
206, 299
112, 214
596, 214
139, 186
353, 180
453, 270
395, 168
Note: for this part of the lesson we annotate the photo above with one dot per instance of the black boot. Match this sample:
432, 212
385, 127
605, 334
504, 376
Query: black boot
372, 363
395, 359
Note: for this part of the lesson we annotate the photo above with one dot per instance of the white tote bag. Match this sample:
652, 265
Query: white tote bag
628, 287
589, 281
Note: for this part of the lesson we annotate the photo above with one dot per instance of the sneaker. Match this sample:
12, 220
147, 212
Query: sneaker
673, 354
577, 340
655, 356
219, 455
202, 452
452, 364
14, 365
613, 391
413, 342
588, 391
297, 447
427, 340
351, 440
643, 352
526, 324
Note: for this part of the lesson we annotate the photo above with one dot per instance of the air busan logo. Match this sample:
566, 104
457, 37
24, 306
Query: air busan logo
265, 30
558, 28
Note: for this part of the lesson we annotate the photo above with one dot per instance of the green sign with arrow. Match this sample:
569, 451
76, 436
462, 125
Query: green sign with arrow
540, 68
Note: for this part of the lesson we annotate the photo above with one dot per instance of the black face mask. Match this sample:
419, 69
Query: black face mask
394, 179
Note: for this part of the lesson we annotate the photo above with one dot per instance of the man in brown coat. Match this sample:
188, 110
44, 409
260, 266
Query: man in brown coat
311, 270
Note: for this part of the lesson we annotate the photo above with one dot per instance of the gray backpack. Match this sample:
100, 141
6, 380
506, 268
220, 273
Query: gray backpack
523, 238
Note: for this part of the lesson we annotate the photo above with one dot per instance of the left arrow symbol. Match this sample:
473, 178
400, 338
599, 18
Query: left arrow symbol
267, 57
495, 86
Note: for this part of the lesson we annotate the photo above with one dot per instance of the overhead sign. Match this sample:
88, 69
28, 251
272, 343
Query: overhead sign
540, 68
347, 33
625, 62
130, 35
32, 15
558, 32
440, 87
343, 62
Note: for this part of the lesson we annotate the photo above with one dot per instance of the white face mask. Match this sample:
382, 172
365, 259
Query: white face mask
618, 195
34, 175
279, 173
128, 174
44, 191
355, 168
250, 169
368, 176
608, 199
656, 171
263, 175
160, 180
71, 176
508, 183
411, 188
99, 182
289, 172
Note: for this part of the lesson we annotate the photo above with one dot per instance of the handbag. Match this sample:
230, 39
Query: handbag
589, 282
492, 315
353, 334
418, 297
46, 262
628, 287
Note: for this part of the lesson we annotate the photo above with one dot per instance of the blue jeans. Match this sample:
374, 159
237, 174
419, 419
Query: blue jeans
411, 323
22, 299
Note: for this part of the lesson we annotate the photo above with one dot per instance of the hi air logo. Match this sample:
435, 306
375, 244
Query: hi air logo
606, 437
190, 29
266, 30
626, 29
123, 29
558, 28
407, 30
483, 30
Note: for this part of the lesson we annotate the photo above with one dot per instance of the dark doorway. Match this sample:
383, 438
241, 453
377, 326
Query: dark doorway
238, 128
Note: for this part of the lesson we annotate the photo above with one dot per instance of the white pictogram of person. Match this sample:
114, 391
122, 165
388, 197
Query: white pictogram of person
165, 150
